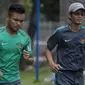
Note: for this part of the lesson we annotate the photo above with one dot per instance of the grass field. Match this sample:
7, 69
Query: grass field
28, 77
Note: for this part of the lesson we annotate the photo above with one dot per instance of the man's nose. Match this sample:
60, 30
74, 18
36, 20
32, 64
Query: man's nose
18, 22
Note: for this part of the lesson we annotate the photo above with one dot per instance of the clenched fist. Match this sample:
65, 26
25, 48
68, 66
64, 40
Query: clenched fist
27, 56
1, 74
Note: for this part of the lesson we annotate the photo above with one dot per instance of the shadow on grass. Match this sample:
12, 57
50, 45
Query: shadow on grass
36, 81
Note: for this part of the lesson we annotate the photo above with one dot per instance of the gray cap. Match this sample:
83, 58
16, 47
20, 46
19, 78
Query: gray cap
75, 6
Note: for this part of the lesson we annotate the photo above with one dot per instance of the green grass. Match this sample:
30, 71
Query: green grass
29, 77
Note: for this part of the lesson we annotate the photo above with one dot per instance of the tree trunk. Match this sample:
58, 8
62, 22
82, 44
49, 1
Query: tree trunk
32, 26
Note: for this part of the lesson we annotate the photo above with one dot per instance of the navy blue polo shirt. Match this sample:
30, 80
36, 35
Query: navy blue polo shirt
70, 47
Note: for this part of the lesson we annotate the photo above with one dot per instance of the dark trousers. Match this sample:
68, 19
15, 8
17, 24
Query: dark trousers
69, 78
12, 83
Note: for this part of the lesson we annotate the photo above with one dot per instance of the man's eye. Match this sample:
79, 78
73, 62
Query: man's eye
16, 20
19, 20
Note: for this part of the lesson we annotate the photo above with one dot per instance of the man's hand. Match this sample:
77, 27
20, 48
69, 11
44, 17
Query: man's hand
1, 74
27, 56
55, 67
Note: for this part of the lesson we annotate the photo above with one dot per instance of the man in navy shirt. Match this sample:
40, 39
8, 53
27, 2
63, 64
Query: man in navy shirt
70, 41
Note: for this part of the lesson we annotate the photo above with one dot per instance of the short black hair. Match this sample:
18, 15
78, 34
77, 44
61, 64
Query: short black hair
18, 8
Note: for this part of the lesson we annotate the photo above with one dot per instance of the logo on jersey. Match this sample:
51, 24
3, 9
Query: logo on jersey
4, 43
67, 40
19, 46
82, 40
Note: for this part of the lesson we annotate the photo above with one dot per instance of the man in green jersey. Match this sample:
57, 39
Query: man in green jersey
13, 44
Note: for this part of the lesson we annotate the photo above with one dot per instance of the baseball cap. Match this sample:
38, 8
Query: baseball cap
75, 6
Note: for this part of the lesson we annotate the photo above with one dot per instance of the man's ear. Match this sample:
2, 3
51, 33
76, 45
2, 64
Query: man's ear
7, 18
69, 16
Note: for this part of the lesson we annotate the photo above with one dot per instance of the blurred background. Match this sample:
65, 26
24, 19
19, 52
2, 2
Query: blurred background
53, 13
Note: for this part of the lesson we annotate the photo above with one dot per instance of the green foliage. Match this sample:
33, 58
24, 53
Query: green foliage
28, 5
50, 8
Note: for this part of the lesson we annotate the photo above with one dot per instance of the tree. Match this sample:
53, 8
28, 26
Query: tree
32, 26
51, 9
30, 9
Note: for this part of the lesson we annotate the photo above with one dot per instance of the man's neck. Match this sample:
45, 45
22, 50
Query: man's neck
74, 28
12, 33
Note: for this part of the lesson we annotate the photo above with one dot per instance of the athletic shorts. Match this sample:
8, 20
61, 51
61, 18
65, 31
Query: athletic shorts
12, 83
69, 78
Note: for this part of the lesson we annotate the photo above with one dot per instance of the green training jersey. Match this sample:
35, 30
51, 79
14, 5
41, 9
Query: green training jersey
11, 48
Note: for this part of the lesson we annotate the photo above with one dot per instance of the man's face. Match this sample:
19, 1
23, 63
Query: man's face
77, 17
15, 21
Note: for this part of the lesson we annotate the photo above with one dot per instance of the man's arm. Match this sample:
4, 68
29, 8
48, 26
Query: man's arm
54, 67
28, 51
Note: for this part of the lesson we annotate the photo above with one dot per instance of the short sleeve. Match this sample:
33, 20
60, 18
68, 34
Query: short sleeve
28, 46
52, 41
